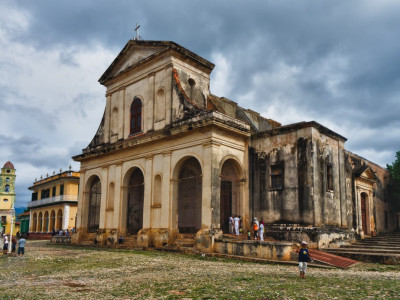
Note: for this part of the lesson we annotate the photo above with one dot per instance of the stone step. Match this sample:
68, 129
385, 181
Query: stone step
364, 250
369, 247
375, 257
184, 242
377, 243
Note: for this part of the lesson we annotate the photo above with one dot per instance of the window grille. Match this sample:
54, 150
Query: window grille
94, 206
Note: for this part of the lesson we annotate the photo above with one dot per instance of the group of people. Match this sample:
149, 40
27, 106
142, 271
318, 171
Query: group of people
258, 229
21, 245
235, 224
63, 232
235, 227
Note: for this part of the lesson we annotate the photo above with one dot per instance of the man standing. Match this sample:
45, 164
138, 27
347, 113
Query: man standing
21, 246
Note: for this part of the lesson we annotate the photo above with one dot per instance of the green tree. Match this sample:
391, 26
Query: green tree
393, 187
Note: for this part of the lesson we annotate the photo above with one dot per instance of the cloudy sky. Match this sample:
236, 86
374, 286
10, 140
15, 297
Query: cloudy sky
335, 62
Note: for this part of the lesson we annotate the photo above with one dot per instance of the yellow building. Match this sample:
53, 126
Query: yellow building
7, 198
54, 204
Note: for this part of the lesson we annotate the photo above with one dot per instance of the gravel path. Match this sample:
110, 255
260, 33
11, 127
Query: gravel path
63, 272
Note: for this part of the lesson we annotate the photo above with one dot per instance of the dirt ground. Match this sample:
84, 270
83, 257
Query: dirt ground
65, 272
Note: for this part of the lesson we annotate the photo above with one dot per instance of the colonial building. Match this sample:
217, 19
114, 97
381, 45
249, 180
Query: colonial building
170, 158
7, 198
54, 204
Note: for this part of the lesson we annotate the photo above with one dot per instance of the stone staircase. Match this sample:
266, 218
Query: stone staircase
384, 248
185, 243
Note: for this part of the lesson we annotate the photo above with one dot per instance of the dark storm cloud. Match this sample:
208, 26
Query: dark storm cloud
32, 151
336, 62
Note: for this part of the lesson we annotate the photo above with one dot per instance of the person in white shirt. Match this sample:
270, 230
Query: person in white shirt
237, 224
231, 224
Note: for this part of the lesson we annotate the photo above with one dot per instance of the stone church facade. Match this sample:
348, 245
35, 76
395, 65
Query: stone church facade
171, 158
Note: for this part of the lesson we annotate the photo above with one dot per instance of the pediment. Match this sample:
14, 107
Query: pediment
132, 54
368, 174
133, 58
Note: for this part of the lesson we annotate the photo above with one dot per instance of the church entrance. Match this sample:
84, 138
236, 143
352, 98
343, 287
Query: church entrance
94, 206
189, 197
135, 202
364, 212
229, 194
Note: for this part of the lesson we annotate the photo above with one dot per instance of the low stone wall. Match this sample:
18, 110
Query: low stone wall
265, 249
317, 237
59, 239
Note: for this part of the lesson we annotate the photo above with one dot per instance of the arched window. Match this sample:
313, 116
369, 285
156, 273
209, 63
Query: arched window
136, 116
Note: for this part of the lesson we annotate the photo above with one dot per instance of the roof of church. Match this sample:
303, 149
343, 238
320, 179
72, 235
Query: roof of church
165, 45
8, 165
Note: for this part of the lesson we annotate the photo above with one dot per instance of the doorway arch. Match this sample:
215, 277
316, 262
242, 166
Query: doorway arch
135, 202
94, 205
229, 193
189, 196
364, 212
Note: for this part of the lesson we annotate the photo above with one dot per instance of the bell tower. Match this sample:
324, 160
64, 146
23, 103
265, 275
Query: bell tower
7, 196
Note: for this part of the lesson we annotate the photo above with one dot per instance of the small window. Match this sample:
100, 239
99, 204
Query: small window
329, 177
7, 179
34, 196
277, 177
5, 200
61, 190
7, 188
3, 219
136, 116
45, 194
53, 192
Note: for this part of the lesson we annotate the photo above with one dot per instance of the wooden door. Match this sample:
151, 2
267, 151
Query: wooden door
364, 213
226, 205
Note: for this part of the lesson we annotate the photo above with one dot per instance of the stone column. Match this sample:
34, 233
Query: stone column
81, 202
117, 197
65, 221
210, 213
103, 201
148, 183
165, 191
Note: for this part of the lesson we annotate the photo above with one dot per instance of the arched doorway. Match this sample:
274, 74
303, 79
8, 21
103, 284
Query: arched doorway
46, 222
135, 202
52, 220
59, 220
229, 193
189, 196
40, 222
94, 205
364, 198
34, 223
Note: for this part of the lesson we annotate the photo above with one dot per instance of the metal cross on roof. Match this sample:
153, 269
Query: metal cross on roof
138, 37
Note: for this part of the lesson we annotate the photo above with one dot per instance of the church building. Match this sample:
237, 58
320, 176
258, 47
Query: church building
170, 158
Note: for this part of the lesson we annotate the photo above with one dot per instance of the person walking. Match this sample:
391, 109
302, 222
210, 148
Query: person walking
231, 224
5, 245
304, 257
236, 220
21, 246
13, 244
